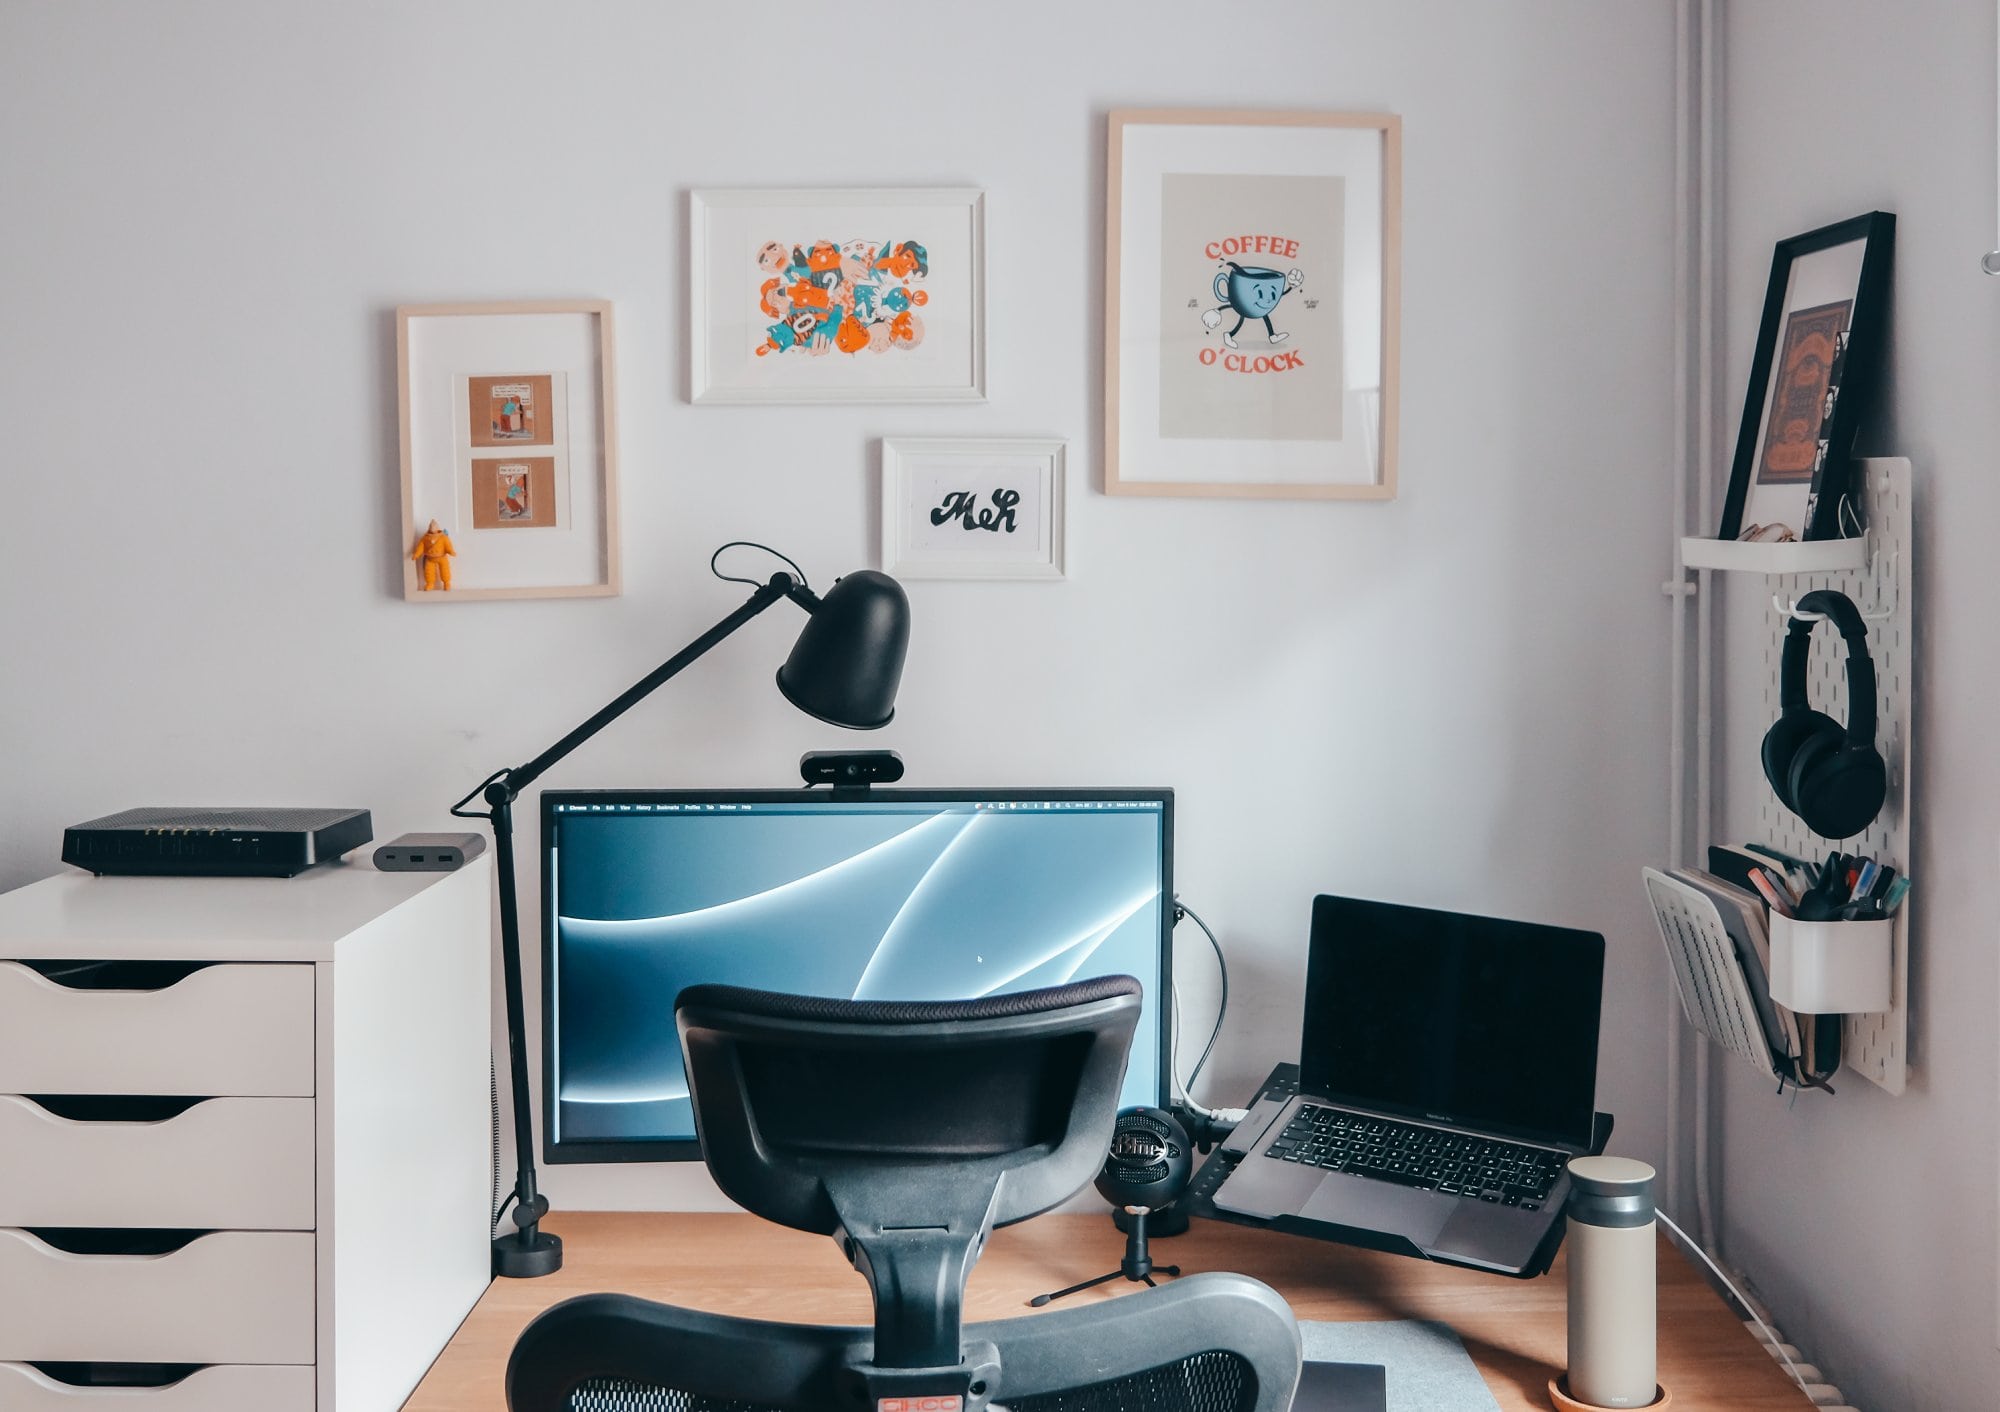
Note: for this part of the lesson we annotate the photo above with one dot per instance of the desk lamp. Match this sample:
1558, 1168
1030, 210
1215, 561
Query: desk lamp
843, 669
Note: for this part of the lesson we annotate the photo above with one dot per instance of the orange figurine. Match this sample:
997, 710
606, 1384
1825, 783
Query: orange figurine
435, 551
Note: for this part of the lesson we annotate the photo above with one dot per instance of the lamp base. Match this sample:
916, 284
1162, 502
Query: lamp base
1560, 1399
521, 1256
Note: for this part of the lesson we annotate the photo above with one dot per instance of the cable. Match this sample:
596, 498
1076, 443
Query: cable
1181, 909
753, 544
1776, 1342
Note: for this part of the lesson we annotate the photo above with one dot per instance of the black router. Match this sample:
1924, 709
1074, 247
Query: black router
215, 843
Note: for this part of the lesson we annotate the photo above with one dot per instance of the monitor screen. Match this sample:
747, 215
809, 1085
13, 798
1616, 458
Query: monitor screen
883, 895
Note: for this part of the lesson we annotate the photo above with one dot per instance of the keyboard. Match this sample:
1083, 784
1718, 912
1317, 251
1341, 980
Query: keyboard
1458, 1164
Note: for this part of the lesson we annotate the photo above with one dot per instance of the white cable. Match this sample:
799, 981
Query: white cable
1174, 1025
1991, 262
1776, 1343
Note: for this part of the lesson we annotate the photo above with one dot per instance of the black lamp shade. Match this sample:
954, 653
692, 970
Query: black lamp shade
848, 661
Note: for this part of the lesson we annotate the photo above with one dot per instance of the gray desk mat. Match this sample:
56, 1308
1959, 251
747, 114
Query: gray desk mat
1428, 1368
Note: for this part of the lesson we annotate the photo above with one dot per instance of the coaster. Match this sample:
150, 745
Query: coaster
1563, 1402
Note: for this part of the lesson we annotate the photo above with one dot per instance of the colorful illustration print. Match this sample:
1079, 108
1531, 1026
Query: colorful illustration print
510, 411
1799, 402
513, 488
827, 298
514, 492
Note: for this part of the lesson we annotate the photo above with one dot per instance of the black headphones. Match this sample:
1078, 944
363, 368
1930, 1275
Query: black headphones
1830, 775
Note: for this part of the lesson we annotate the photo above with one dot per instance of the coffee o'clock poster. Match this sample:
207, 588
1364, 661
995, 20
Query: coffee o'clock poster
1252, 294
1250, 283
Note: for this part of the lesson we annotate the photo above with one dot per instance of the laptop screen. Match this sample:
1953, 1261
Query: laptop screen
1464, 1020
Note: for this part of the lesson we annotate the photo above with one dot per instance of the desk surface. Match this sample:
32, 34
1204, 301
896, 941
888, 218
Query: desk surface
1515, 1330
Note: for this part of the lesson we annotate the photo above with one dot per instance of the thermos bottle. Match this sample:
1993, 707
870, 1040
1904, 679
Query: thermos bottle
1612, 1315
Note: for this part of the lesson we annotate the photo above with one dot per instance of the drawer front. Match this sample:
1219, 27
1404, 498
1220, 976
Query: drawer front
234, 1030
223, 1164
226, 1297
240, 1389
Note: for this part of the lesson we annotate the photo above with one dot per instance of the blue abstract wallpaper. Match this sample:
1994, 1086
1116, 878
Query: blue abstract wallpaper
918, 901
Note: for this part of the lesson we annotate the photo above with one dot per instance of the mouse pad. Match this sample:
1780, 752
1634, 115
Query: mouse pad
1426, 1368
1341, 1387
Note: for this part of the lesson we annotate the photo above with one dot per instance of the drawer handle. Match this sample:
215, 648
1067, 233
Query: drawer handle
111, 1108
115, 975
90, 1240
157, 1376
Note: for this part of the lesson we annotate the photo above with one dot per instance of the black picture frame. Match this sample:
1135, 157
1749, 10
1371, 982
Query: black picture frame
1848, 383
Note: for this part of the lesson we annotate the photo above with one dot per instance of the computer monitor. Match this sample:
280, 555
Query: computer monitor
889, 894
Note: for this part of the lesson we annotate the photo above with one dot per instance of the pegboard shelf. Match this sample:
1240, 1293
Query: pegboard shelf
1809, 556
1876, 1046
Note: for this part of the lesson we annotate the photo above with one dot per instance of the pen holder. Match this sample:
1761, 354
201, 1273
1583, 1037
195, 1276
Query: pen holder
1830, 968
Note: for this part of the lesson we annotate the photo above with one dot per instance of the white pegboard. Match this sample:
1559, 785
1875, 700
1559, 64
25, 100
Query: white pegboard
1874, 1046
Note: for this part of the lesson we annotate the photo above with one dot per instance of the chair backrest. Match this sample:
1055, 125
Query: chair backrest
907, 1130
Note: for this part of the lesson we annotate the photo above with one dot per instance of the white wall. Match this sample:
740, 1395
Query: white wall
1868, 1221
211, 210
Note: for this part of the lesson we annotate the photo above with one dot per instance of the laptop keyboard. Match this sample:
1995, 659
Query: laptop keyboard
1505, 1173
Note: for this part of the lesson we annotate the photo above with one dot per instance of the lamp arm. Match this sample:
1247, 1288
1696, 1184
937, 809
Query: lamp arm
528, 1251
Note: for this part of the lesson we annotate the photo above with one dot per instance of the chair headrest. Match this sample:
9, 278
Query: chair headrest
797, 1098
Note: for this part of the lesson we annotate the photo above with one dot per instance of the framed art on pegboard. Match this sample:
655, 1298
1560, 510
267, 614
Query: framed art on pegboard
1253, 288
1816, 365
509, 450
986, 508
834, 295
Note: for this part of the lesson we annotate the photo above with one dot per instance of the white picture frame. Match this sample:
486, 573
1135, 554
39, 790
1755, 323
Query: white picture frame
824, 294
529, 510
1252, 303
952, 506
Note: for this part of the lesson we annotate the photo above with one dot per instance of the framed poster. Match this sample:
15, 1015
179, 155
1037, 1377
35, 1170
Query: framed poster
1819, 346
837, 296
1252, 285
965, 509
510, 486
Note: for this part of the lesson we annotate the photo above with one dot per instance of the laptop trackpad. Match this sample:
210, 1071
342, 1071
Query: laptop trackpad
1417, 1216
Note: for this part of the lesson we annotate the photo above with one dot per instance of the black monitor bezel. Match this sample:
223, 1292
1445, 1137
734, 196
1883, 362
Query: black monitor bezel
689, 1149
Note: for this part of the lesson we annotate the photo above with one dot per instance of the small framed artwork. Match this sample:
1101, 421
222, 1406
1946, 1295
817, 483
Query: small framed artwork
1819, 347
819, 295
973, 509
1252, 286
510, 486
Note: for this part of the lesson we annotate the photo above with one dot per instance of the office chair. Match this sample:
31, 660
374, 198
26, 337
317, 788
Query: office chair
908, 1132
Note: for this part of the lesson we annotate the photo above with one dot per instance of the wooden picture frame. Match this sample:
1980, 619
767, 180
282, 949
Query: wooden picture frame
828, 294
508, 422
974, 508
1252, 303
1818, 359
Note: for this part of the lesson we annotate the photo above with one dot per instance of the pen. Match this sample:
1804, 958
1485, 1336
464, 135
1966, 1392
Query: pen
1864, 880
1761, 880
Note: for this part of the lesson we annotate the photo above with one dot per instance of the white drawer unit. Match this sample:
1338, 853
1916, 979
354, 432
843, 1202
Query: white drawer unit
25, 1388
245, 1137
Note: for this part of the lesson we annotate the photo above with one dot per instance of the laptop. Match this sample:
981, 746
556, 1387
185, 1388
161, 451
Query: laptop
1447, 1074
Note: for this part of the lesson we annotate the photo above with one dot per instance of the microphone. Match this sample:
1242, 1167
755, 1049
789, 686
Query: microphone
1149, 1163
1145, 1170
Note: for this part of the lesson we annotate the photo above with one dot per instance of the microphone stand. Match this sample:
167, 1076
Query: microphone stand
1137, 1266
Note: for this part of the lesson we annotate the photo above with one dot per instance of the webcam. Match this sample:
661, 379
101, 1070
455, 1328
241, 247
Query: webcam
850, 769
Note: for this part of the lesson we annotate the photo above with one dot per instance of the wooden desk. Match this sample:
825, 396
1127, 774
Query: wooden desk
1515, 1330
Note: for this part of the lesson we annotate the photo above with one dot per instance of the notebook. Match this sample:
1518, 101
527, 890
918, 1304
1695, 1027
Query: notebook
1447, 1074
